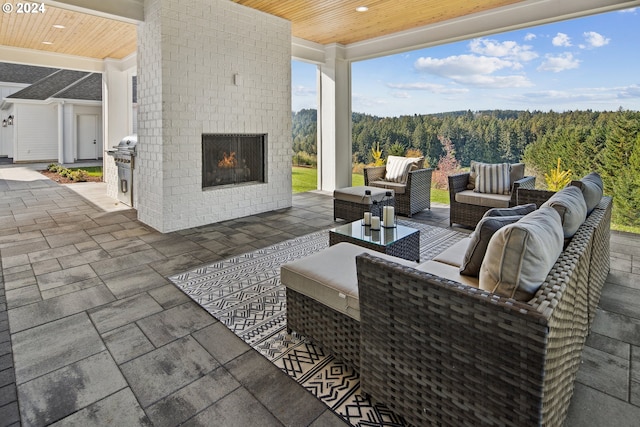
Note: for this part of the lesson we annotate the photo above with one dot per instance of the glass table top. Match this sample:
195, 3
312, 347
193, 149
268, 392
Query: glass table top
384, 236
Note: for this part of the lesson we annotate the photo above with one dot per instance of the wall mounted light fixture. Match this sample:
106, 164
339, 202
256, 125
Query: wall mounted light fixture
4, 123
10, 120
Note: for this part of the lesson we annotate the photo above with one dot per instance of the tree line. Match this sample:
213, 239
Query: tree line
607, 142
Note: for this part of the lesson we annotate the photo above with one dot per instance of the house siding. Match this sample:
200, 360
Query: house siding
192, 91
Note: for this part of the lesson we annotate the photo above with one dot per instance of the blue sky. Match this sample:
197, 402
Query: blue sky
586, 63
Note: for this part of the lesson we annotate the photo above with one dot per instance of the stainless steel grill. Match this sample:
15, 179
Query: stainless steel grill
124, 155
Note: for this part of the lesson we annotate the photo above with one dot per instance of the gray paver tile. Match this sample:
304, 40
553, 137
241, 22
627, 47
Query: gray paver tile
168, 296
65, 277
133, 281
33, 245
58, 394
160, 373
19, 280
175, 323
329, 419
8, 395
590, 407
71, 288
10, 414
238, 409
613, 380
127, 342
124, 311
119, 409
221, 343
608, 345
51, 346
23, 296
191, 399
621, 300
12, 261
634, 393
181, 262
280, 394
31, 315
175, 246
84, 257
617, 326
635, 364
126, 261
49, 254
44, 267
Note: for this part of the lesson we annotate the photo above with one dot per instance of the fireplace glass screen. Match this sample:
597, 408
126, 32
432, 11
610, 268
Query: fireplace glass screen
233, 159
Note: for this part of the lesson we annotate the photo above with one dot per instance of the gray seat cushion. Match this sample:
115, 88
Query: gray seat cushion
483, 199
357, 194
330, 276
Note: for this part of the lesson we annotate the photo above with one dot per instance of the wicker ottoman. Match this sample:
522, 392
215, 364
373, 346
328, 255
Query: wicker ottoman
350, 203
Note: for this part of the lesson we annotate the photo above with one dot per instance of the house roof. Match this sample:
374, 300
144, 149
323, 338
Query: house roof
17, 73
50, 85
88, 88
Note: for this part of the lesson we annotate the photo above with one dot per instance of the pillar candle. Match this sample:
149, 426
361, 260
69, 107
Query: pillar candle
375, 222
367, 218
387, 216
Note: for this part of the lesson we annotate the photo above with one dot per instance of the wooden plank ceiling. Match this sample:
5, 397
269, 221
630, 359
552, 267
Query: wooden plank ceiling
337, 21
83, 35
320, 21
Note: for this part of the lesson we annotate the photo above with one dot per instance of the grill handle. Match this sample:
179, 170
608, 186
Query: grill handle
124, 185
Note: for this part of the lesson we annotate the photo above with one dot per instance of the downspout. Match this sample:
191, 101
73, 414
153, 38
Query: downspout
61, 132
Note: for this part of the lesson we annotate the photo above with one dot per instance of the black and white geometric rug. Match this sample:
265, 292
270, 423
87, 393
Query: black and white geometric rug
245, 294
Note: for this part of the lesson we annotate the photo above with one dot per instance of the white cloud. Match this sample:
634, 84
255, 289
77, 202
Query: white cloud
507, 49
631, 10
594, 39
561, 40
591, 95
632, 91
529, 36
401, 95
303, 91
495, 82
558, 63
429, 87
463, 65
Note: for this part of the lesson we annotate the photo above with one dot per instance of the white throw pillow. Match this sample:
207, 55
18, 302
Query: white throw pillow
397, 168
520, 255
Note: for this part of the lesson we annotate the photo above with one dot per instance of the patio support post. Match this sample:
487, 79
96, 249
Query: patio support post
334, 130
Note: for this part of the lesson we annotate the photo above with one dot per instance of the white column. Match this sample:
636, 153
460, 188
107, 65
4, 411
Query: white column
334, 127
61, 132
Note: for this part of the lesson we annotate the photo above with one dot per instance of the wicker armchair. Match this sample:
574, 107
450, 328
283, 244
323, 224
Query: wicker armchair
417, 191
469, 214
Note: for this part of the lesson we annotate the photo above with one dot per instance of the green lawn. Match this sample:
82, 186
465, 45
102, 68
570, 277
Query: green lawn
306, 179
92, 170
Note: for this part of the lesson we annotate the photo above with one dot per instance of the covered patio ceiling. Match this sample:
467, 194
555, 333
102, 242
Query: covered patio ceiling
99, 30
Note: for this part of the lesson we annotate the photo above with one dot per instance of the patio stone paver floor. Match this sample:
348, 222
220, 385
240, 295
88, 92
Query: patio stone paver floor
92, 332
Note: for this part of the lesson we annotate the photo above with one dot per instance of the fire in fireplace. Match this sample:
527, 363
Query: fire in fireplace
229, 159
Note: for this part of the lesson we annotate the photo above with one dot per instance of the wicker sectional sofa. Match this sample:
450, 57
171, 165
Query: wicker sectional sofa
441, 352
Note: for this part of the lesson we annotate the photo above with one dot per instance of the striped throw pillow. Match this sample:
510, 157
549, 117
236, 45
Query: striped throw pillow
397, 168
493, 178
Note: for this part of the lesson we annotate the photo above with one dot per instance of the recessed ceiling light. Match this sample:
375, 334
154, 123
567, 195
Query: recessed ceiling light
362, 9
47, 42
59, 26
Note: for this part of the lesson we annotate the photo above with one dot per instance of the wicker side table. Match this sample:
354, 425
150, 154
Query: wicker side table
400, 241
350, 203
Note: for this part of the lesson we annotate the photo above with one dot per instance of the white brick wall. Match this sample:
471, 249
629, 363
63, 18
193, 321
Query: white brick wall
188, 53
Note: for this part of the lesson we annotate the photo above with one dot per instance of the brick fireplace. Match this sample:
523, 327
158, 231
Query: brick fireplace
225, 69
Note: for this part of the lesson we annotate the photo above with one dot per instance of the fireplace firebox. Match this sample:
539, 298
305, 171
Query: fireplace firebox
231, 159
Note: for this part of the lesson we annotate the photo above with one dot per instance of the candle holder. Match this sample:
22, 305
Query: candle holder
388, 211
366, 221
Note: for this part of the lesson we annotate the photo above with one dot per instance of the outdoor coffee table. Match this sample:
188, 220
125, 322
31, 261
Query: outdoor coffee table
399, 241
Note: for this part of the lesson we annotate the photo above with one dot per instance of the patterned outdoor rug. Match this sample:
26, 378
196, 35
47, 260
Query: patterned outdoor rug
244, 293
